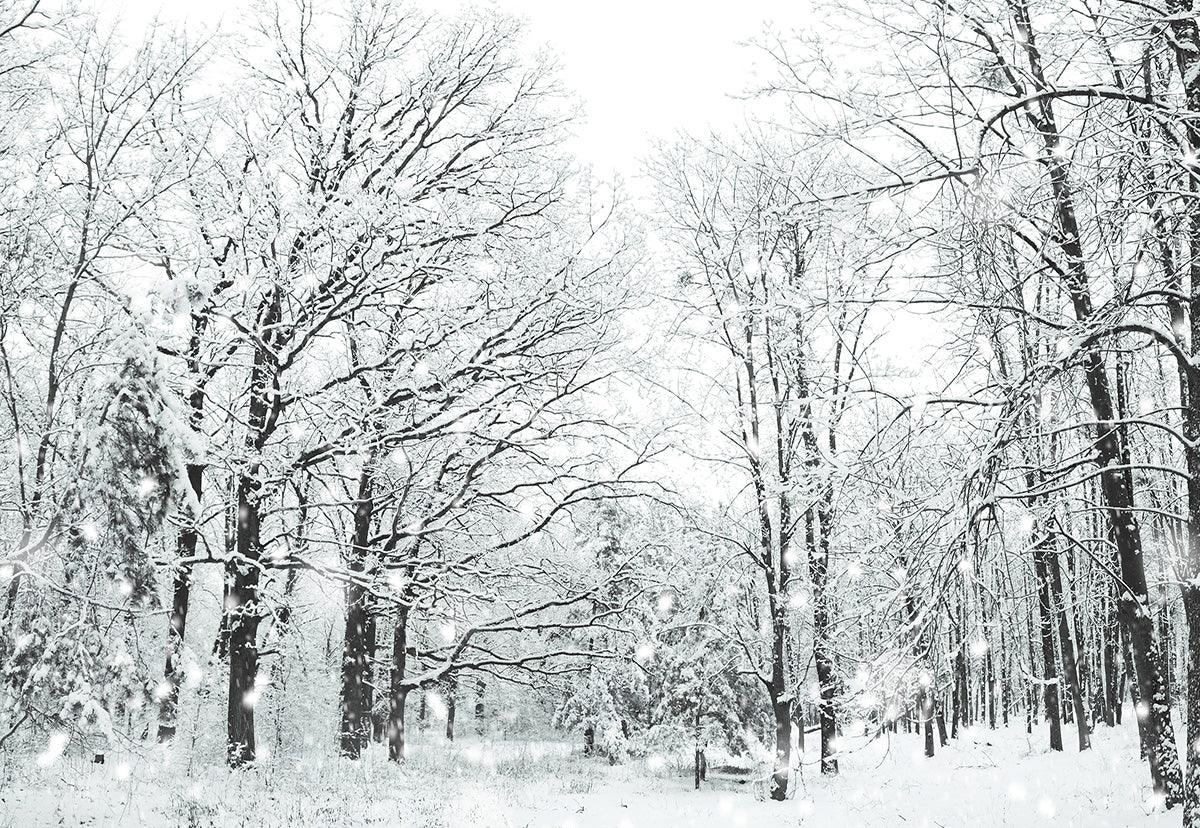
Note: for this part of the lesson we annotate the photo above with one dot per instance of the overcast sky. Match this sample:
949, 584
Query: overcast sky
642, 68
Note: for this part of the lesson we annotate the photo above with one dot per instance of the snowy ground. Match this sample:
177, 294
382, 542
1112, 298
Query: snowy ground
988, 778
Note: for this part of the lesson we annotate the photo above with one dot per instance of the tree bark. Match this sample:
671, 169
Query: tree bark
925, 705
818, 564
782, 709
168, 713
243, 575
1070, 656
243, 571
399, 692
480, 687
1112, 644
1041, 552
354, 646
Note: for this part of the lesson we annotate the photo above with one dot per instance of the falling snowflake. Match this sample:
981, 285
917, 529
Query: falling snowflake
54, 748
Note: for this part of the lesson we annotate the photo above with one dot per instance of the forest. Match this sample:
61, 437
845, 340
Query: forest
369, 457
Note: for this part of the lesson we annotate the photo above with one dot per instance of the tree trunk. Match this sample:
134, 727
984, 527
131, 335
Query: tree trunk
1041, 552
479, 719
353, 666
1070, 656
1191, 608
354, 647
220, 648
243, 611
398, 693
244, 570
782, 709
180, 596
1112, 643
925, 705
959, 688
990, 673
370, 634
818, 564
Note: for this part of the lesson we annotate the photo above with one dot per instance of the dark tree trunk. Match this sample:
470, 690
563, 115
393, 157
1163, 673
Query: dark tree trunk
1164, 638
180, 597
1112, 635
451, 705
185, 542
220, 646
959, 687
782, 709
1070, 656
398, 693
353, 667
818, 564
990, 673
1191, 608
368, 691
244, 571
1135, 698
1041, 552
479, 711
358, 625
243, 575
925, 701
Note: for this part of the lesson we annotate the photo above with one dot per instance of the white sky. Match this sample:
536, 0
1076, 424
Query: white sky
642, 69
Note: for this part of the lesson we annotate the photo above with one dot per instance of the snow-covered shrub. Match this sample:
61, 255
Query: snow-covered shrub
69, 674
606, 710
128, 476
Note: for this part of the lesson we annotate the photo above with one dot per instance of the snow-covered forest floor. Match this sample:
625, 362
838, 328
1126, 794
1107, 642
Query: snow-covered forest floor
984, 778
